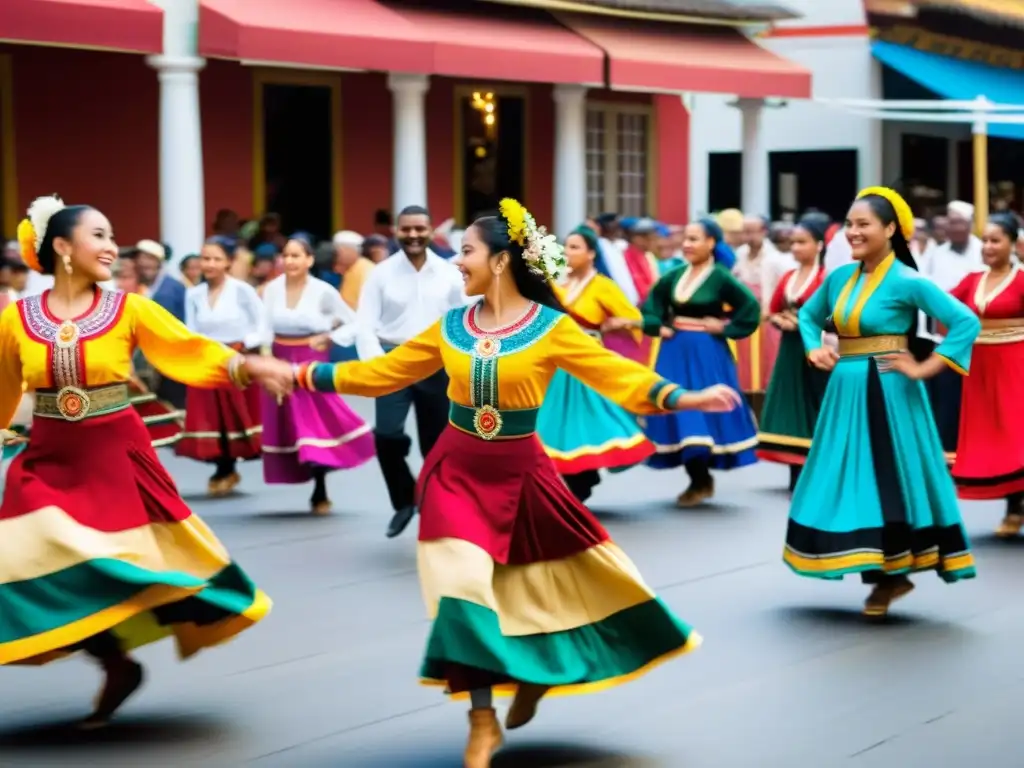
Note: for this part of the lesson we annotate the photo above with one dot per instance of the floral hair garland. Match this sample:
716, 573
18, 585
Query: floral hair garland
541, 251
32, 230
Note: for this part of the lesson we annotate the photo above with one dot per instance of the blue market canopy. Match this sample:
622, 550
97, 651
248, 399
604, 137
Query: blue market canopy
958, 80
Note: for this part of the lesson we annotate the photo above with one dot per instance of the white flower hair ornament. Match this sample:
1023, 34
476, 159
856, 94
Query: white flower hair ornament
32, 230
541, 250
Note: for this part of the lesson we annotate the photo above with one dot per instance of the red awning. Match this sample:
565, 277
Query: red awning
491, 42
116, 25
643, 56
342, 34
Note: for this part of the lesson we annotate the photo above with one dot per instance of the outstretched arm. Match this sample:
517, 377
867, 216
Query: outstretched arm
633, 386
413, 361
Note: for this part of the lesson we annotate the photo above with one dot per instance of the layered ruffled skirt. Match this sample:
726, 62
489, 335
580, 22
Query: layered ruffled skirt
584, 431
94, 537
522, 583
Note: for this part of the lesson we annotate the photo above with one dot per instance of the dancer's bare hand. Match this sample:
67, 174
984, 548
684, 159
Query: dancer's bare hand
715, 399
616, 324
901, 362
823, 358
666, 332
275, 376
10, 437
320, 343
714, 325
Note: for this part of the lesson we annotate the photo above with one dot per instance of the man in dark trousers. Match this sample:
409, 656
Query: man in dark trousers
403, 296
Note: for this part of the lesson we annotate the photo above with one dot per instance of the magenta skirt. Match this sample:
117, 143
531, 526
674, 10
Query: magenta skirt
310, 430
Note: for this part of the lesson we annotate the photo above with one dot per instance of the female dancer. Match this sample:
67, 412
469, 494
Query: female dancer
309, 435
222, 426
990, 453
875, 496
583, 431
687, 308
796, 388
526, 590
99, 552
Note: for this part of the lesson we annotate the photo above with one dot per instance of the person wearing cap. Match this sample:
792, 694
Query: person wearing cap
731, 222
640, 259
759, 266
350, 263
947, 265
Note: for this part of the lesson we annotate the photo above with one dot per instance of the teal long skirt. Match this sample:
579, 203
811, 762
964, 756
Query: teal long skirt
875, 496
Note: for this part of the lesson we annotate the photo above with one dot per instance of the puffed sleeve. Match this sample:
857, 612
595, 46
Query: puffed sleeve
962, 325
10, 364
633, 386
174, 350
655, 307
615, 304
413, 361
256, 313
814, 314
745, 316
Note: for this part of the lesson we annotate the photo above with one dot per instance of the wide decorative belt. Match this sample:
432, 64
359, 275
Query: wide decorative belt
76, 403
688, 324
489, 423
871, 345
1001, 330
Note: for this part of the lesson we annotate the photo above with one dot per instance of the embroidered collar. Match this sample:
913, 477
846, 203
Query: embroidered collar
40, 323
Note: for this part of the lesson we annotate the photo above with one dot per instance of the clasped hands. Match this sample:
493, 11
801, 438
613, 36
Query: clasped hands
275, 376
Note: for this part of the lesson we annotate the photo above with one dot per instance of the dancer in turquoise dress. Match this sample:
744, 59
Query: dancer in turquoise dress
875, 496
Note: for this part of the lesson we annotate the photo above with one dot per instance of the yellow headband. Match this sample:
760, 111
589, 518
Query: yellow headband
904, 216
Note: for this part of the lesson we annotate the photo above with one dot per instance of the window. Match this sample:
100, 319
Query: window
618, 159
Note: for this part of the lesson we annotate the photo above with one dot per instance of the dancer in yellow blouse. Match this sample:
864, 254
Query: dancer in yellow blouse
582, 431
98, 552
527, 592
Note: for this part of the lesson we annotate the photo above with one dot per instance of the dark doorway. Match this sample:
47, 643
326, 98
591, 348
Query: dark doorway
493, 138
298, 129
825, 179
725, 176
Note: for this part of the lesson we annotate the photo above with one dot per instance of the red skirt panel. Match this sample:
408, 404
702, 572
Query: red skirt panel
990, 452
102, 471
504, 496
221, 423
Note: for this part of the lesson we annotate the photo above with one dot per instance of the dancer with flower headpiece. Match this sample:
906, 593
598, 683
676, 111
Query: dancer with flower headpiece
696, 309
98, 552
875, 496
526, 590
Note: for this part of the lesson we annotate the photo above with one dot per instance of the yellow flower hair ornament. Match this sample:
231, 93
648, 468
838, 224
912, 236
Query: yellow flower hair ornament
904, 216
541, 251
32, 230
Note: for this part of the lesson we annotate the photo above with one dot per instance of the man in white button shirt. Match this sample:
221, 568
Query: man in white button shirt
403, 296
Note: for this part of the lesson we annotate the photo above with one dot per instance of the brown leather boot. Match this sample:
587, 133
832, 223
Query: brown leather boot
524, 706
484, 738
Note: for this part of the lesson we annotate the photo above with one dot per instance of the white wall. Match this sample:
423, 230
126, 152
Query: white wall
841, 67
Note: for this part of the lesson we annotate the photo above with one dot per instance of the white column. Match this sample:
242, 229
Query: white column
755, 186
409, 174
570, 158
182, 203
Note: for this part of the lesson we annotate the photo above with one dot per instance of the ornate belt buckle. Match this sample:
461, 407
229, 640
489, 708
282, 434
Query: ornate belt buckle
487, 422
73, 403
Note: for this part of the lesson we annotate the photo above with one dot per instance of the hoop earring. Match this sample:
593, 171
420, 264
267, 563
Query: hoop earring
67, 263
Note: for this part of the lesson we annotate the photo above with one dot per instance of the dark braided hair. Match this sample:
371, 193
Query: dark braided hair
493, 231
814, 226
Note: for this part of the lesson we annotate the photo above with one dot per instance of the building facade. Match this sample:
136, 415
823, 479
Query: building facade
160, 113
810, 154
